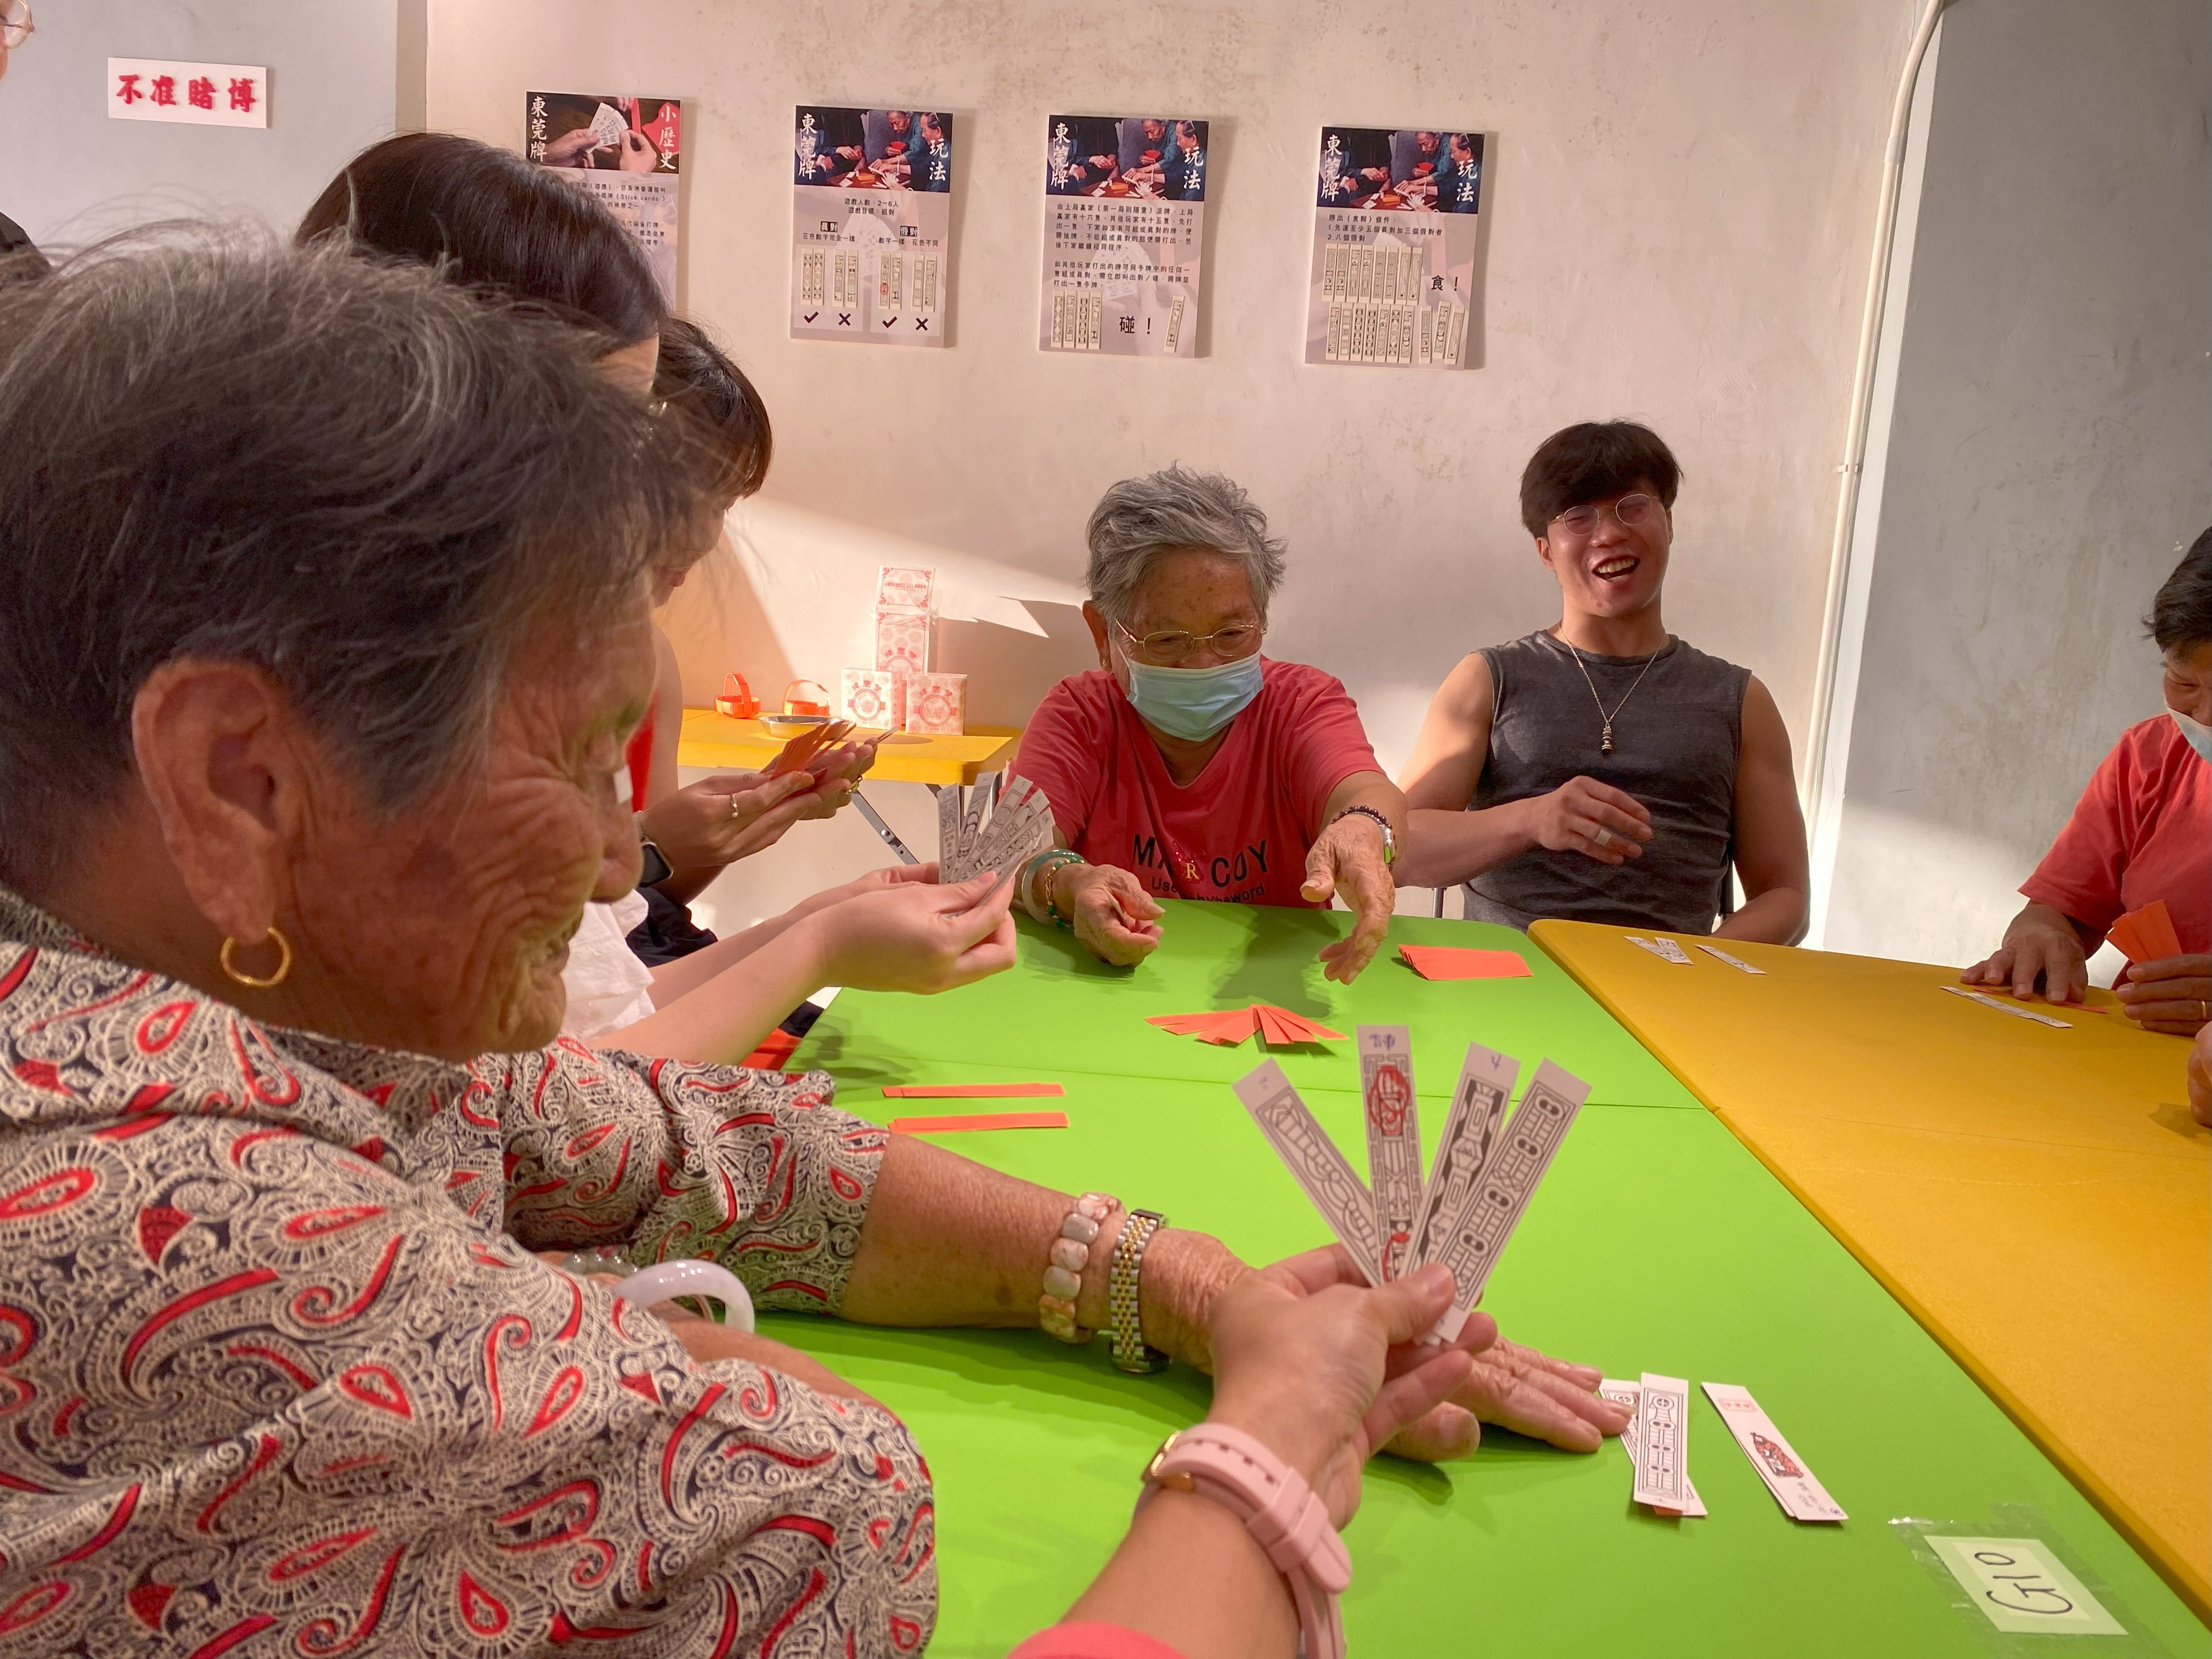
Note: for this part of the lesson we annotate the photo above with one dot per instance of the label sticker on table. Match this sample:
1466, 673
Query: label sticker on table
1738, 963
1392, 282
1124, 219
2023, 1588
1802, 1498
870, 224
1665, 949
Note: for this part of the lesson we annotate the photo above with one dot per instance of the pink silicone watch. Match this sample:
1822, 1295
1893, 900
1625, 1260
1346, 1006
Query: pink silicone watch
1277, 1507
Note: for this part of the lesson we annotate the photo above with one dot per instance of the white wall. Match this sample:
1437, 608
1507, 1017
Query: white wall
2049, 456
73, 174
1681, 197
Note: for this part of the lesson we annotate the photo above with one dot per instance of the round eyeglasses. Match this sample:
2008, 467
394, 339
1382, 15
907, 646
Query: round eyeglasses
1172, 645
15, 23
1629, 512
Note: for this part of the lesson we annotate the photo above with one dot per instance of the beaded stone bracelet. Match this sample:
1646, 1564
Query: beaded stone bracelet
1070, 1254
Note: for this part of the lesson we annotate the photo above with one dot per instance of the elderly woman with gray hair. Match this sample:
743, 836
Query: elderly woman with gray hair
329, 589
1187, 765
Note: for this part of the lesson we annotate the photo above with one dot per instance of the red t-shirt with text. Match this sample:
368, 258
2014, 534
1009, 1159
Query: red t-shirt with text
1241, 830
2142, 831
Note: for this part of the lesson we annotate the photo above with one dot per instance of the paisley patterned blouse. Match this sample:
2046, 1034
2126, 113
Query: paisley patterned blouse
279, 1375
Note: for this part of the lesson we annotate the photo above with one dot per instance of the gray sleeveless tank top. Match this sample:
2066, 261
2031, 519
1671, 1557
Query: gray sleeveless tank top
1675, 744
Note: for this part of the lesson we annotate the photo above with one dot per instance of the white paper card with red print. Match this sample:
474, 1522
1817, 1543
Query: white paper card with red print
1474, 1198
1802, 1497
1394, 1138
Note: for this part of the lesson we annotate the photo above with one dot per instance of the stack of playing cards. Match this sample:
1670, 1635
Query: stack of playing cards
1485, 1169
1657, 1439
1019, 828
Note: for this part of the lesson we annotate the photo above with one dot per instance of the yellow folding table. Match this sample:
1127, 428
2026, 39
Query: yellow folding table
2038, 1196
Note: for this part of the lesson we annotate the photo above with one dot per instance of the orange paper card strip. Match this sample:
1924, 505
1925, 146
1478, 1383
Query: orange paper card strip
972, 1090
935, 1126
1456, 961
2147, 934
1231, 1029
1296, 1028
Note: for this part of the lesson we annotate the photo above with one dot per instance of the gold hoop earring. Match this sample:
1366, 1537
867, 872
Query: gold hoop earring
257, 981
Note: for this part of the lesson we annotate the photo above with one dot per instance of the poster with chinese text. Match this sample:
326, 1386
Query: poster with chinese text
870, 225
1125, 218
625, 151
1393, 246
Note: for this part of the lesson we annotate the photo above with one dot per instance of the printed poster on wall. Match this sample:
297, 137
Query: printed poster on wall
1393, 246
1125, 217
624, 150
870, 224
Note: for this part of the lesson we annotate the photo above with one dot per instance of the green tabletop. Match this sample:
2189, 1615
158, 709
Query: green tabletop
1657, 1242
1064, 1011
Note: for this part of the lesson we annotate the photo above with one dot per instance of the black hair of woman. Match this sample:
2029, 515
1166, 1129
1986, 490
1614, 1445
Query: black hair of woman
493, 218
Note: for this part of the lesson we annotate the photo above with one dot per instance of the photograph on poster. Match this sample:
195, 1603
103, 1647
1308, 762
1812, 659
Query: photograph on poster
838, 148
1397, 235
1406, 170
1150, 157
1124, 219
624, 149
870, 224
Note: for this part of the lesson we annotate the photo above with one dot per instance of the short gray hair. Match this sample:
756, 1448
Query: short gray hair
370, 483
1174, 511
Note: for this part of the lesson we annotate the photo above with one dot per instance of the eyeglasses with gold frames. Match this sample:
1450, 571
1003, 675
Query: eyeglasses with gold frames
1171, 645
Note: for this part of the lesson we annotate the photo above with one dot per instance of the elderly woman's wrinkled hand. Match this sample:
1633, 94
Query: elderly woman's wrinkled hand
1347, 858
2172, 994
914, 935
1113, 917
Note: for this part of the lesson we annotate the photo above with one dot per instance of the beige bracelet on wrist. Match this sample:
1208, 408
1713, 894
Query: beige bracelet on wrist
1067, 1257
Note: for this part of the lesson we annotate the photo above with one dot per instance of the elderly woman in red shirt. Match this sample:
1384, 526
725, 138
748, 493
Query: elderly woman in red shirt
2143, 830
1187, 765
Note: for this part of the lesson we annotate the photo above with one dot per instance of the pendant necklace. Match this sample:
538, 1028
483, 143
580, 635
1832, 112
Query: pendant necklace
1605, 738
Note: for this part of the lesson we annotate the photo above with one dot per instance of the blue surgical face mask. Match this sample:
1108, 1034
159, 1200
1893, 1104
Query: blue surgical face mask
1193, 703
2198, 733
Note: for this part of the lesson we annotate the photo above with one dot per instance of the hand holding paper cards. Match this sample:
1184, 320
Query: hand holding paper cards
1019, 828
1478, 1189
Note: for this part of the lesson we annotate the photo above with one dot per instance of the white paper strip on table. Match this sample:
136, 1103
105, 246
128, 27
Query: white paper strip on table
1802, 1497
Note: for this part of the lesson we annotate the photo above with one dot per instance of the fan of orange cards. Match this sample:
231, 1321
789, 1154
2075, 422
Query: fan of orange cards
2147, 934
806, 751
1278, 1028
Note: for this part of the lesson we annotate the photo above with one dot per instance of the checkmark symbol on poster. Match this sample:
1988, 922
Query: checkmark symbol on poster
811, 315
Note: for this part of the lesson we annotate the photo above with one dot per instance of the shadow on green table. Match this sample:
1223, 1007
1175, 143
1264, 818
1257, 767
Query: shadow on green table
1267, 960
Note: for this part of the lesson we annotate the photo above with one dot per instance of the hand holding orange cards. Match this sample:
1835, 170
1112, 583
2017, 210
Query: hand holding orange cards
2146, 934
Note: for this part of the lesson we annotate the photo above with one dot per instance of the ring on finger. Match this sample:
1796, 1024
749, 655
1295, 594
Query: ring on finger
1603, 838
